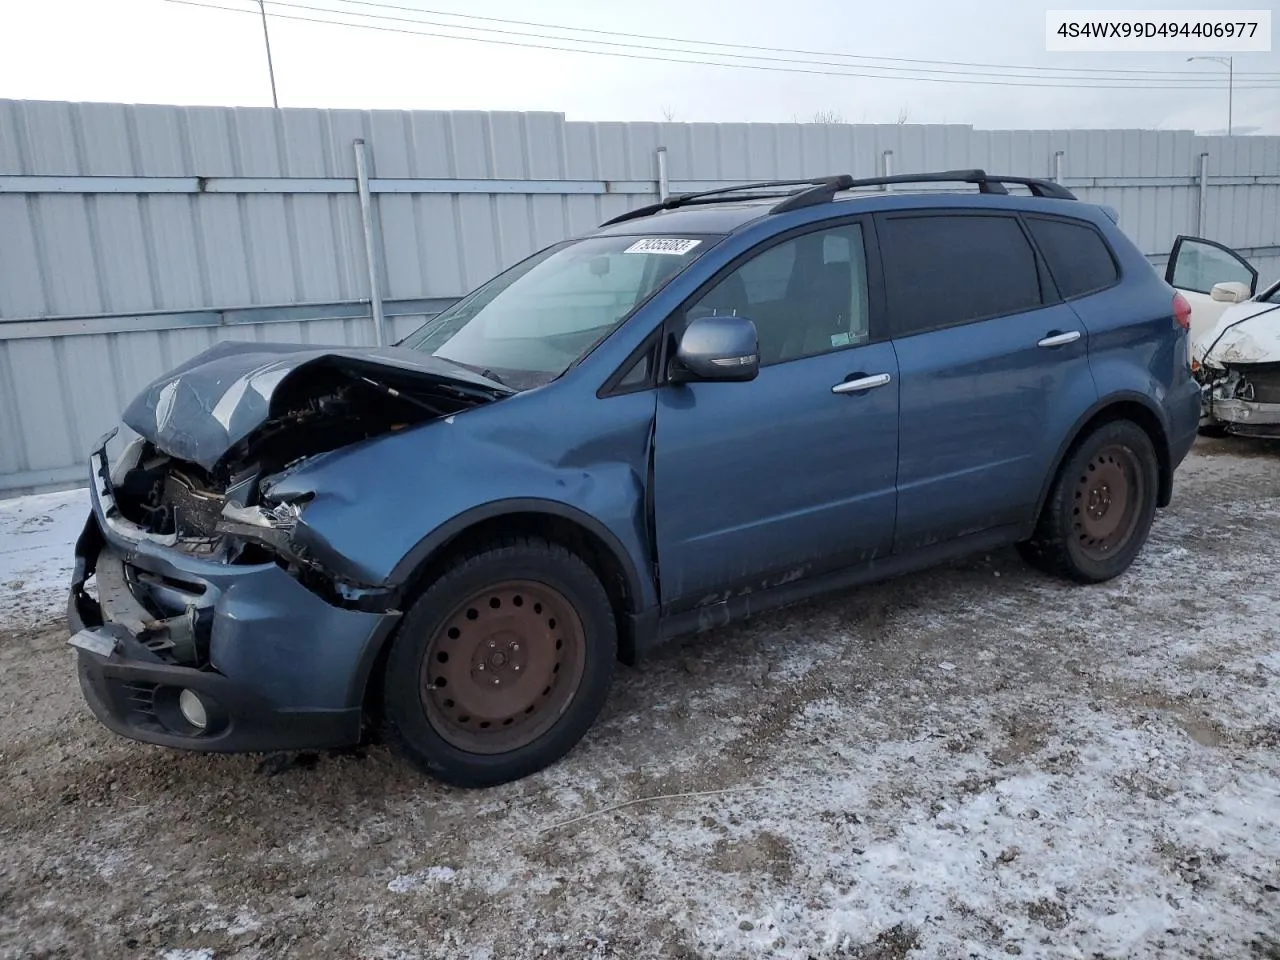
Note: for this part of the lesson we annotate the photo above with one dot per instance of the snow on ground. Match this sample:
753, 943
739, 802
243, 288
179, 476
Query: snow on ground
36, 537
977, 761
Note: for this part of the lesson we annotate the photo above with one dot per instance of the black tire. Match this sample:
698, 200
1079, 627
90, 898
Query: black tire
445, 741
1114, 466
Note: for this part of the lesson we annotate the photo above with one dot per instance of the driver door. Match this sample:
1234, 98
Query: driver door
791, 474
1195, 266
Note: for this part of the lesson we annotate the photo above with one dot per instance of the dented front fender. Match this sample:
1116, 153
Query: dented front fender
379, 509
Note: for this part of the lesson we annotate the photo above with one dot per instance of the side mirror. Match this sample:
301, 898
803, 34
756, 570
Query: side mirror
1230, 291
718, 348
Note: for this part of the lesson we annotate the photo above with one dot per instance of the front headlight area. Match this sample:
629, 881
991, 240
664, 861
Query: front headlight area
275, 529
234, 518
269, 524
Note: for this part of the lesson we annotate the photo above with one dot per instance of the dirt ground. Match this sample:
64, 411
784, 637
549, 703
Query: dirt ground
977, 761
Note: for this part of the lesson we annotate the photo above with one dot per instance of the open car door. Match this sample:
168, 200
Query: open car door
1211, 276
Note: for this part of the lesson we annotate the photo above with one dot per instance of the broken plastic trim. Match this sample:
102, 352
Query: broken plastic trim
104, 493
282, 516
268, 528
173, 636
271, 527
1215, 375
334, 589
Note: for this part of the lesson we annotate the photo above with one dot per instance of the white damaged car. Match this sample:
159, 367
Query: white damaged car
1237, 362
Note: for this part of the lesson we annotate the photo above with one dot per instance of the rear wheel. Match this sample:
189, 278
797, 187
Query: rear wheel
1099, 511
501, 665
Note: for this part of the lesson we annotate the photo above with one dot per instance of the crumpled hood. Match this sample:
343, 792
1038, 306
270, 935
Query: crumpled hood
203, 408
1249, 332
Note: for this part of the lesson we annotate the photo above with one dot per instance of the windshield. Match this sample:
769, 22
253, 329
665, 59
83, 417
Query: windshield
532, 322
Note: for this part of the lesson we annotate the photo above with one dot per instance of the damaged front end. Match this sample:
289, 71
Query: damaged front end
197, 592
215, 439
1237, 364
1242, 398
225, 517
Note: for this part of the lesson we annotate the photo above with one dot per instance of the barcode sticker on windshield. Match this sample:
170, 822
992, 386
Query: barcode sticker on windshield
668, 245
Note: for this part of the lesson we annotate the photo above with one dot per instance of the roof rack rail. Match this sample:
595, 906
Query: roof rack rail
823, 190
723, 194
987, 183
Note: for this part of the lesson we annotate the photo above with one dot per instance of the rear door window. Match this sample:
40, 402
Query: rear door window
946, 269
1078, 257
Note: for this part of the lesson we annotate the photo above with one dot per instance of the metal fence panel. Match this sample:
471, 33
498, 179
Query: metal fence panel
243, 223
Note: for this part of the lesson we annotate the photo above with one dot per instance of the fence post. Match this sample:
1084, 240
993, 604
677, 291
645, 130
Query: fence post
664, 183
887, 156
370, 251
1057, 166
1204, 194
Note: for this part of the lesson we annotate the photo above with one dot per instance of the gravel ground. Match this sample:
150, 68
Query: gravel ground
976, 761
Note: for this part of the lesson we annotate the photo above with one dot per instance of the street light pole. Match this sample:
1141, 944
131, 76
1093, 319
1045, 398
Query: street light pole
271, 70
1231, 78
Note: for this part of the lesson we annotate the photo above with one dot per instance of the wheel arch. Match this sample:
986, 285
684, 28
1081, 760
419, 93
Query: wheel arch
585, 535
1132, 406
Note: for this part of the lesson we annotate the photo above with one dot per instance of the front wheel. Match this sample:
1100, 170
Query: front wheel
1100, 509
501, 665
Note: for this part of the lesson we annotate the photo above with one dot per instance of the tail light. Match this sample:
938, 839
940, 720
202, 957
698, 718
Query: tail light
1181, 311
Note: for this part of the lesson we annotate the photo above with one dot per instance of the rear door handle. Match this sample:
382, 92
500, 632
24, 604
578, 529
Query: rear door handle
1060, 339
862, 383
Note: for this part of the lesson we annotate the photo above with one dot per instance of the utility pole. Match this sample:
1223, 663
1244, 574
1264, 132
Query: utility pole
1231, 76
271, 70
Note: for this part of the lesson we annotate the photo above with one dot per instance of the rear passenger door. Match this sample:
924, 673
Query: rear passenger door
993, 371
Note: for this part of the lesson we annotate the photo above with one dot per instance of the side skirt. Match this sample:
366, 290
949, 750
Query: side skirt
654, 628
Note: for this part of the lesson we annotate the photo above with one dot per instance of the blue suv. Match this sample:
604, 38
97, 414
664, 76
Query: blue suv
708, 407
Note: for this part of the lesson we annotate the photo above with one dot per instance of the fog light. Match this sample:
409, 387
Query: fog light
193, 709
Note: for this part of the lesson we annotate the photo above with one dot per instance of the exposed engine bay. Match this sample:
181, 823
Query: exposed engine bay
221, 509
1238, 368
1259, 382
1243, 399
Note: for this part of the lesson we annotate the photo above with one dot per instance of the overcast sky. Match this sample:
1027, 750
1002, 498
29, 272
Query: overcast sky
155, 51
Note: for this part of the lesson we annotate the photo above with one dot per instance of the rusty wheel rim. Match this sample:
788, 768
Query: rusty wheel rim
1108, 500
503, 666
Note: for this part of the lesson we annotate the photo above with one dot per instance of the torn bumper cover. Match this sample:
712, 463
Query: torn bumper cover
267, 663
1243, 399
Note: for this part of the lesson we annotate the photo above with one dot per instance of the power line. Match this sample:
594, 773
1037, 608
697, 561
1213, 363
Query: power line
1190, 74
1194, 80
1052, 84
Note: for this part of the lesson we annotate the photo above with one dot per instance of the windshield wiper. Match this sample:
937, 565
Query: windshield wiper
475, 368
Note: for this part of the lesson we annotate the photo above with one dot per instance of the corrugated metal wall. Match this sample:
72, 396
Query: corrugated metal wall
132, 237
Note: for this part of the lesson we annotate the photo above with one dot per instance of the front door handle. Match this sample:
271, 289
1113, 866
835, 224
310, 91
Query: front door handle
1060, 339
862, 383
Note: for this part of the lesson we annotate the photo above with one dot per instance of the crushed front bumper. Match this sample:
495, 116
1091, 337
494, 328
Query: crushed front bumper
1245, 417
275, 666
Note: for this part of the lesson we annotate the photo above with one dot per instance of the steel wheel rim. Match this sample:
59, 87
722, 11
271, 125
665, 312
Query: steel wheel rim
503, 666
1109, 495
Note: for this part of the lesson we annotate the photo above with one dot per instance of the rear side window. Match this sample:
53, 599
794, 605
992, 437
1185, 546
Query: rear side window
941, 270
1078, 257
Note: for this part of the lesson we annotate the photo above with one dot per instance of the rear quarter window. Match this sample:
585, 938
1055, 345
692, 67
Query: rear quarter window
1078, 257
942, 270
